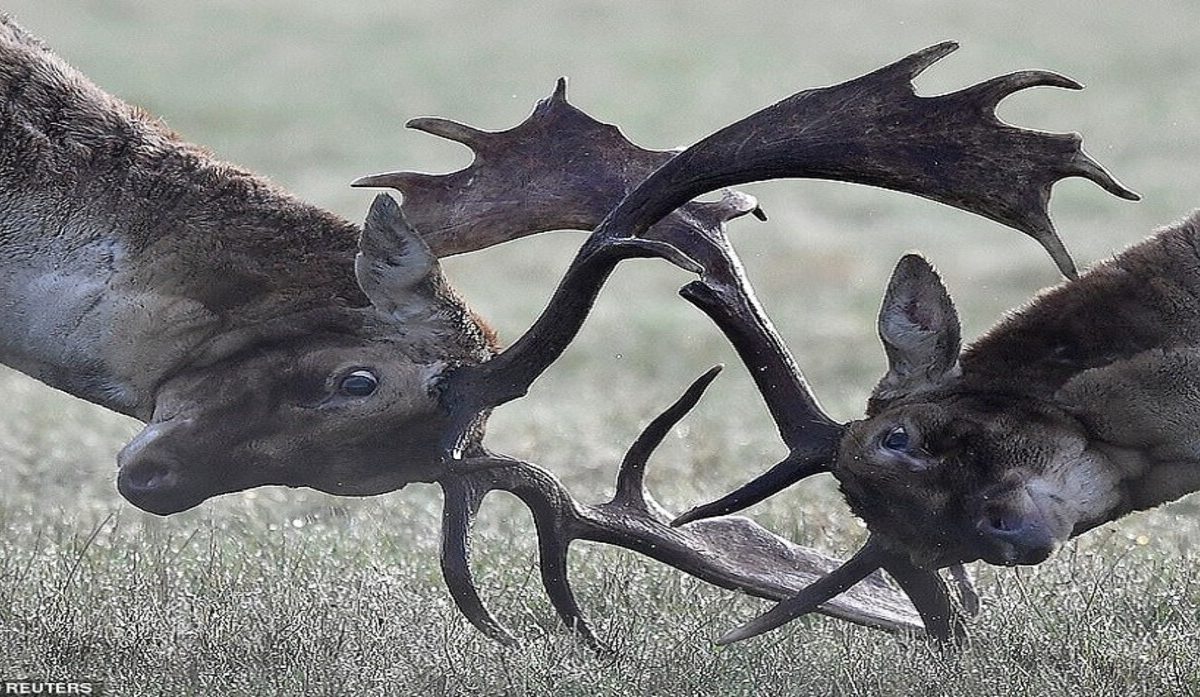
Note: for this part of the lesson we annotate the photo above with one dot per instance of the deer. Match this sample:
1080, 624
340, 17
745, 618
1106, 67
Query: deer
1071, 412
264, 341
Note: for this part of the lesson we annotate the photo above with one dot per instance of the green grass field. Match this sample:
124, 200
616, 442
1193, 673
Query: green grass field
292, 592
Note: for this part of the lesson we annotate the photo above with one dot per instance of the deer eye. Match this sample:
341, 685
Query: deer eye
896, 439
360, 383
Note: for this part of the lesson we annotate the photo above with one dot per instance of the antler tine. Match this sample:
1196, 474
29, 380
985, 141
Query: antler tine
925, 588
1084, 166
989, 93
928, 592
631, 489
554, 514
462, 501
866, 561
553, 545
780, 476
450, 130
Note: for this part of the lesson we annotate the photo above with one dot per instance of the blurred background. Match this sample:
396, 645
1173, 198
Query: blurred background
314, 94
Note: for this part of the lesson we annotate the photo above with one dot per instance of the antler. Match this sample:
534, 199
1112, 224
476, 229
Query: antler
730, 552
872, 130
573, 170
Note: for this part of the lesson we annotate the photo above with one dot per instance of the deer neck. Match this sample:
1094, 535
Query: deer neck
105, 307
125, 253
1142, 299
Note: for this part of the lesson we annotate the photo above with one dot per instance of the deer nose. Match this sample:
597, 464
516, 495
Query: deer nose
154, 485
150, 476
1017, 537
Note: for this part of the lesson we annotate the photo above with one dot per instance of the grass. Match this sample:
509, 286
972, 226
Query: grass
280, 591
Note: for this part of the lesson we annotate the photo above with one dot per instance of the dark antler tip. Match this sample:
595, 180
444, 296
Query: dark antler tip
560, 90
697, 513
759, 213
682, 519
1069, 83
1119, 190
937, 52
916, 63
1044, 78
915, 264
369, 181
1088, 168
450, 130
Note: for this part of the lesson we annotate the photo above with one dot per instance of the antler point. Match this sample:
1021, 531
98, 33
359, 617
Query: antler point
1090, 169
916, 63
450, 130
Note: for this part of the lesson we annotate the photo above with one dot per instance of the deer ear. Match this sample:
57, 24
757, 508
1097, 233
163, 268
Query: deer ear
394, 265
919, 328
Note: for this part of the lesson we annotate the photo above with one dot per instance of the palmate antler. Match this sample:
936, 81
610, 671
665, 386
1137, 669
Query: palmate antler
871, 130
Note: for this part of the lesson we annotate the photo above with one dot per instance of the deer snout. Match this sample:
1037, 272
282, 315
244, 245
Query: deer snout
151, 479
1016, 529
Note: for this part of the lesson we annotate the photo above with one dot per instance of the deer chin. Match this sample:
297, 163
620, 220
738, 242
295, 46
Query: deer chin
383, 484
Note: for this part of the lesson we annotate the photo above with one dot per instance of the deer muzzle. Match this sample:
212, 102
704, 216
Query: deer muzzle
1019, 525
152, 479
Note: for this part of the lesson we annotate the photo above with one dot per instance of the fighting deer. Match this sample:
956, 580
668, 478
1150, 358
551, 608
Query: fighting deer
262, 345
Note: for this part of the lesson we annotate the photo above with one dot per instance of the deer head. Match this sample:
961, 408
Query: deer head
346, 404
142, 274
951, 470
1071, 412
